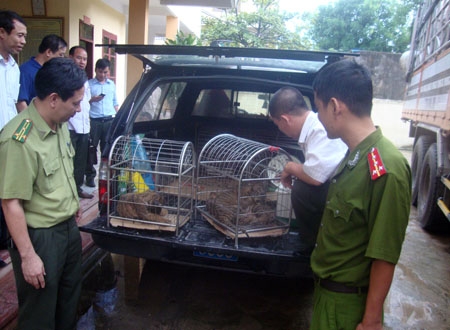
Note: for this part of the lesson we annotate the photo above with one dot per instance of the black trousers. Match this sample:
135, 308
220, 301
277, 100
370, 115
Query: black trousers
55, 306
99, 129
308, 203
3, 229
80, 143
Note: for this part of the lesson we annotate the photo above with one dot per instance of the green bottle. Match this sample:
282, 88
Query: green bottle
122, 185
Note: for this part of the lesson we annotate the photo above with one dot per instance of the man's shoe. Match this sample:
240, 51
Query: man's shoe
90, 182
83, 194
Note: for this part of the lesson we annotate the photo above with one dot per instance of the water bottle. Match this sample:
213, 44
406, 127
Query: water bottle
122, 186
141, 162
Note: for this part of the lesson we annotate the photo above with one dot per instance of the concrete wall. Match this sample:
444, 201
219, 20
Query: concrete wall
102, 17
387, 74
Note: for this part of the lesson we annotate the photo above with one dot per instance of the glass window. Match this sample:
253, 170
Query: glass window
226, 103
161, 103
213, 103
252, 103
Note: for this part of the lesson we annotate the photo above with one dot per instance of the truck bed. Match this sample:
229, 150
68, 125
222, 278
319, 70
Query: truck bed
198, 243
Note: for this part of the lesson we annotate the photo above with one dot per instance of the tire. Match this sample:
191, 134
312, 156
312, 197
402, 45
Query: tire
420, 148
430, 188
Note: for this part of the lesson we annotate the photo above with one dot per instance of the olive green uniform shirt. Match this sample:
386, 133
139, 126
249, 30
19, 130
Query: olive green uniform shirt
364, 218
38, 169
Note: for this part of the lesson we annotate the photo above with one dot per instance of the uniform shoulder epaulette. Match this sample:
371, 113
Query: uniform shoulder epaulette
23, 130
376, 165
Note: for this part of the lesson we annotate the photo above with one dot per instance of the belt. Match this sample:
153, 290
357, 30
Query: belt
103, 119
339, 287
70, 221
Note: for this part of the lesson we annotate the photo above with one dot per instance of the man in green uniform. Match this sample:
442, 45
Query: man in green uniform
367, 207
40, 200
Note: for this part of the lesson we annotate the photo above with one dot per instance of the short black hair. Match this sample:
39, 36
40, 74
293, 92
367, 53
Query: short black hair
59, 75
7, 18
287, 100
74, 48
348, 82
52, 42
102, 63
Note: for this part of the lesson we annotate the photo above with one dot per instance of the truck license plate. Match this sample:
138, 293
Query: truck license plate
217, 256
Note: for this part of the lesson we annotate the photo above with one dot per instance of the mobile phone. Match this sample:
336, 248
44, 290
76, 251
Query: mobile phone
102, 94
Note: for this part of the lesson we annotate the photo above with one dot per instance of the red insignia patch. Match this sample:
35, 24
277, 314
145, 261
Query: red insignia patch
274, 149
376, 165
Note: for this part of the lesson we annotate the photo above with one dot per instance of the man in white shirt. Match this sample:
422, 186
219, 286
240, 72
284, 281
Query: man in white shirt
309, 180
13, 32
79, 125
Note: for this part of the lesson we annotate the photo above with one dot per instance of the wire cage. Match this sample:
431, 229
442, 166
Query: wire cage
150, 183
239, 190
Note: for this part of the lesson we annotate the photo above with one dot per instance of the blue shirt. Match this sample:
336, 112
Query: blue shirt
28, 72
105, 107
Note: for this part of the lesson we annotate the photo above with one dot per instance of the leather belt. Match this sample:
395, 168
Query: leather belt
339, 287
103, 119
70, 221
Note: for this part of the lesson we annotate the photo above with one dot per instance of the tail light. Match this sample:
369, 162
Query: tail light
103, 186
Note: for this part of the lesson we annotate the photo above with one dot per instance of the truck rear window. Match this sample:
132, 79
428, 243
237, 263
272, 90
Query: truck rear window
161, 102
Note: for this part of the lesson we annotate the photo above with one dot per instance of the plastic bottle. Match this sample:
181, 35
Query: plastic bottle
122, 186
141, 162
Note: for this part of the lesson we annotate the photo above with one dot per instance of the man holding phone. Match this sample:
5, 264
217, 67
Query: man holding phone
104, 106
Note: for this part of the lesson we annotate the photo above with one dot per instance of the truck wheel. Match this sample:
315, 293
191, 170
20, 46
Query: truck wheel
420, 148
430, 188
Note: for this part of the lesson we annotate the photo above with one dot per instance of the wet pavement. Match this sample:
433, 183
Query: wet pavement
420, 295
179, 297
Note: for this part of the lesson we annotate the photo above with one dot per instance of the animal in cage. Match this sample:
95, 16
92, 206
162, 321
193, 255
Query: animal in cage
150, 183
141, 206
234, 179
252, 207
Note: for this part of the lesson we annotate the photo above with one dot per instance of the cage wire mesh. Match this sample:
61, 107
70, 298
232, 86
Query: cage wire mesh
239, 190
150, 183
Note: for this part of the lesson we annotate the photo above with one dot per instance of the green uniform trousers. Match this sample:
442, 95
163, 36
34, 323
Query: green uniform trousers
337, 311
55, 306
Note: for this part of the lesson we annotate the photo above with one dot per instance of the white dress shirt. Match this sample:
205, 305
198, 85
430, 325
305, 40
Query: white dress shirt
80, 123
9, 89
322, 155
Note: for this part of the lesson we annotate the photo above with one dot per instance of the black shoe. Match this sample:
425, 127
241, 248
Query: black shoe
3, 264
90, 182
83, 194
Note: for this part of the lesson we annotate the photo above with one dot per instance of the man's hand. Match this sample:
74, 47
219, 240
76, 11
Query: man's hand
32, 266
78, 215
295, 170
96, 98
377, 326
381, 274
286, 179
33, 270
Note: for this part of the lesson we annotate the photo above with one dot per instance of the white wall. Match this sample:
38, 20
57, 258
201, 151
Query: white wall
102, 17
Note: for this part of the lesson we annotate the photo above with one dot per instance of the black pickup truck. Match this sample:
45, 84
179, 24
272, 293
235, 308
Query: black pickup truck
193, 94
